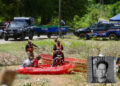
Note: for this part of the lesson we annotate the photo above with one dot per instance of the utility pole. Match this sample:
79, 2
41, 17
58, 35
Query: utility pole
60, 18
101, 2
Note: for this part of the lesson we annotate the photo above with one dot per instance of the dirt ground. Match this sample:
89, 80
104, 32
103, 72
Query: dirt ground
58, 80
7, 59
77, 79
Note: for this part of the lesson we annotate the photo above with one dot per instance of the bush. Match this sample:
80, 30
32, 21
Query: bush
87, 19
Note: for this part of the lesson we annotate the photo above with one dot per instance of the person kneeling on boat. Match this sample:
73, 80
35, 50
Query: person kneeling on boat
58, 55
31, 63
34, 62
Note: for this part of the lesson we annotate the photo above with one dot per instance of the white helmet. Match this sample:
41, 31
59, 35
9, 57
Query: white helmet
101, 55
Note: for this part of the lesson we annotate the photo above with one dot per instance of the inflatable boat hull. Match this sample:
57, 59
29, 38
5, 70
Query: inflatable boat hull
46, 69
80, 63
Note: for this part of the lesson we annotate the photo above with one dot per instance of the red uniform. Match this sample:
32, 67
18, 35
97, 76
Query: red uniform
35, 62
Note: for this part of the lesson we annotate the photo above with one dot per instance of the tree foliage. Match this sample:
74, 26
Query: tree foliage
105, 1
77, 13
73, 7
46, 9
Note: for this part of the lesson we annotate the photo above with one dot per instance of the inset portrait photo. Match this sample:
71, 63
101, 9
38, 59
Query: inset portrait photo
101, 69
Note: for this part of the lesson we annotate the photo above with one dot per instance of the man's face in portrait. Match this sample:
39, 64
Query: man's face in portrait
101, 70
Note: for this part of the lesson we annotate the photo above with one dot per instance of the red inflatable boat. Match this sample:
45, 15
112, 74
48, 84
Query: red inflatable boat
46, 69
80, 63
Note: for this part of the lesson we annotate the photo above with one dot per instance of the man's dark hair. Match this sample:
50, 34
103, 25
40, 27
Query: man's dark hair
102, 62
56, 39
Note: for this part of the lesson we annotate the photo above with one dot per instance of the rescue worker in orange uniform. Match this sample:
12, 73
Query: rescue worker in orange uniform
118, 63
29, 49
57, 45
118, 60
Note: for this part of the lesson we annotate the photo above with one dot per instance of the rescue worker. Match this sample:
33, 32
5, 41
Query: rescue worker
118, 60
58, 55
57, 45
34, 62
118, 63
29, 49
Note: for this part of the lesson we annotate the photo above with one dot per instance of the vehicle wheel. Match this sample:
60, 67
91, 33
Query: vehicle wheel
2, 36
113, 36
15, 38
31, 35
83, 36
22, 37
5, 38
38, 34
49, 36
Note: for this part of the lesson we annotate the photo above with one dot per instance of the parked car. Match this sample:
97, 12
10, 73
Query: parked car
28, 20
99, 30
18, 29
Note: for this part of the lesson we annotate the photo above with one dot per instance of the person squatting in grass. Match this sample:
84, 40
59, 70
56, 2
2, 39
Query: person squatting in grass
58, 56
32, 63
29, 48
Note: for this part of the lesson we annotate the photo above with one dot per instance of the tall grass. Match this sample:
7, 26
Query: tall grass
73, 47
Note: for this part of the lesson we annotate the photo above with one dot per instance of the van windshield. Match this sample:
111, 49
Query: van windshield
17, 24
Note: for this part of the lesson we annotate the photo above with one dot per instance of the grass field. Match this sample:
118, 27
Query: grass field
73, 47
14, 53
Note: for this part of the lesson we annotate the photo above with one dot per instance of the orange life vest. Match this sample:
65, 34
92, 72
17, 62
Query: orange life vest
60, 46
118, 64
30, 48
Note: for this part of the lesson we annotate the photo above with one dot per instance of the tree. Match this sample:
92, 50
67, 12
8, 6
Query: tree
44, 9
73, 7
106, 1
9, 9
116, 8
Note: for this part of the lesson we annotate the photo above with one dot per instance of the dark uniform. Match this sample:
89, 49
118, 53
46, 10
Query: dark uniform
55, 55
29, 49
